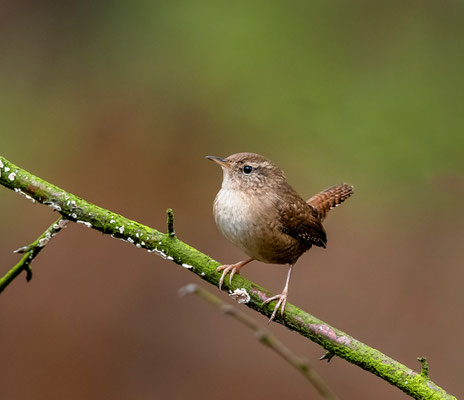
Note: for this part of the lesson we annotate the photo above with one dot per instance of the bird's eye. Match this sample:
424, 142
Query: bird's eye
247, 169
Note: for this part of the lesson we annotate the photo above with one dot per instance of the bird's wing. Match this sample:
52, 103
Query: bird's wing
300, 221
329, 198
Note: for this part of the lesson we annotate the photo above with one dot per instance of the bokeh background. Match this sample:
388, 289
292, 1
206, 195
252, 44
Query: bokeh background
118, 102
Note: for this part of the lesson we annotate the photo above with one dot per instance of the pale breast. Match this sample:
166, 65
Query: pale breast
251, 223
232, 214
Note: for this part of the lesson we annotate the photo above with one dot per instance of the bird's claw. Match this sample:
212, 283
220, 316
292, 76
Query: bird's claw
280, 304
233, 269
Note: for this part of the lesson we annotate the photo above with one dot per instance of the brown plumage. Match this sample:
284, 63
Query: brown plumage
330, 198
257, 210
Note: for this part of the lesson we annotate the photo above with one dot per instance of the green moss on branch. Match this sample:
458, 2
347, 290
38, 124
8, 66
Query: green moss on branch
30, 252
170, 247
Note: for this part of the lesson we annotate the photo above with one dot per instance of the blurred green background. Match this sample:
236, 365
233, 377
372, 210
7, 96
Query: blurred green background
118, 102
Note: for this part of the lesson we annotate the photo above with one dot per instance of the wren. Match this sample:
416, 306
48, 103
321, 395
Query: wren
258, 211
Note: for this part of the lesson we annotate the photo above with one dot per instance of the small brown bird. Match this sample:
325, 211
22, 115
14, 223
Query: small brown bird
257, 210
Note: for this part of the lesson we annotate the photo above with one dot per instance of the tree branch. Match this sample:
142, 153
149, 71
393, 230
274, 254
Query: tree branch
170, 247
31, 251
266, 338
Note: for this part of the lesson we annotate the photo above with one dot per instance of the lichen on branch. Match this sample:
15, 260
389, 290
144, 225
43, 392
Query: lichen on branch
168, 246
30, 252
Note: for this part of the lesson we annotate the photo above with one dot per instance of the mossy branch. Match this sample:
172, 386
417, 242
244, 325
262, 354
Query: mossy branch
30, 252
74, 208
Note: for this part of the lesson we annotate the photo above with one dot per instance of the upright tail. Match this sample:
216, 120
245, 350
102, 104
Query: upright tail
330, 198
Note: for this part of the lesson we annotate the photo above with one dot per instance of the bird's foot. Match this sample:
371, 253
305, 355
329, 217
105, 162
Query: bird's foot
280, 304
232, 268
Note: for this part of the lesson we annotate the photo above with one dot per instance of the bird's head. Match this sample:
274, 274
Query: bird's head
248, 171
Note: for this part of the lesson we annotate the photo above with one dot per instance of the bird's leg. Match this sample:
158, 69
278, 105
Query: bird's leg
282, 297
233, 269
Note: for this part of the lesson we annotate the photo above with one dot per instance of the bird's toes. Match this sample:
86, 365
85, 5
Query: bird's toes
282, 300
271, 299
225, 269
232, 273
276, 308
282, 308
221, 267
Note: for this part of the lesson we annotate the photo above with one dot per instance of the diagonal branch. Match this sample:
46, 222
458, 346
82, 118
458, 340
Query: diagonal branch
266, 338
170, 247
31, 251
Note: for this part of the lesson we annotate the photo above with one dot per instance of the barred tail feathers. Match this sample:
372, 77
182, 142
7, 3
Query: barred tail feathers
330, 198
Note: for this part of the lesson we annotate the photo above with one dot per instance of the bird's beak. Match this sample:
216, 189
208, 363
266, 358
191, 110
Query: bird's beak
221, 161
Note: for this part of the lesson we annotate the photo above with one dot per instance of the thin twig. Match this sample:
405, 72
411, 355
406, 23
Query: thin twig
170, 222
327, 356
424, 366
266, 338
30, 252
330, 338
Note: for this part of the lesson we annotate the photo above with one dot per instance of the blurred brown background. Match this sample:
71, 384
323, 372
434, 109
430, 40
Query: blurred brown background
118, 102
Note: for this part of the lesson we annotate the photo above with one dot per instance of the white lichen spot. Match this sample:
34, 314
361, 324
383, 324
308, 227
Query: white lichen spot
1, 164
240, 295
121, 230
187, 266
87, 224
12, 176
130, 240
137, 234
43, 241
143, 243
138, 245
112, 221
202, 274
56, 226
7, 169
24, 194
74, 215
162, 254
63, 222
55, 206
68, 202
73, 204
